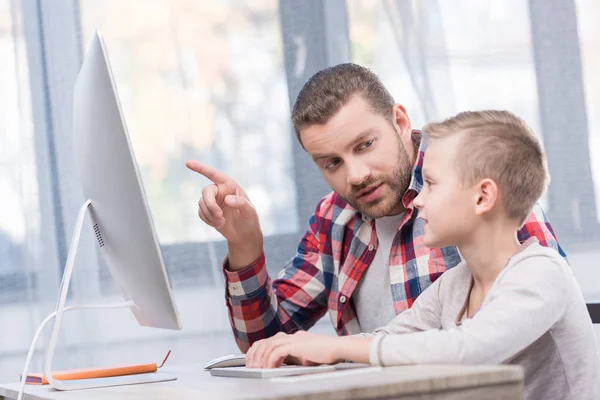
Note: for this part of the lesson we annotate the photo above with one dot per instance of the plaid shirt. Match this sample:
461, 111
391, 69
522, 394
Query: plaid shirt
336, 250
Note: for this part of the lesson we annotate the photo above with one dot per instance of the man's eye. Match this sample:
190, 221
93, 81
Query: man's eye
332, 164
365, 145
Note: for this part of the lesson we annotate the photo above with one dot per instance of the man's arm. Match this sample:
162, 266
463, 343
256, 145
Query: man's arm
259, 307
538, 226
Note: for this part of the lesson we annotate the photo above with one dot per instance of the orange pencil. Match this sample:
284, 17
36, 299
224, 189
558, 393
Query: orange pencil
99, 372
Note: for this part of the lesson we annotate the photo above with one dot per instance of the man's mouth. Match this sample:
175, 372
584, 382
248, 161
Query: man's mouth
368, 190
370, 194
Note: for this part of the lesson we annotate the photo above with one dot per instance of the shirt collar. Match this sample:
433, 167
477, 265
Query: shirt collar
416, 181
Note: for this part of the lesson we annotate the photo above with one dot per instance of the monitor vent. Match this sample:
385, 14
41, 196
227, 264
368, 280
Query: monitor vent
98, 236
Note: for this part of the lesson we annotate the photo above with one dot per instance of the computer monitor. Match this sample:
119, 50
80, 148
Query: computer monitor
119, 213
111, 180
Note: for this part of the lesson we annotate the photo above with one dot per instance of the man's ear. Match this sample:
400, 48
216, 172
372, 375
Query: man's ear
401, 122
486, 195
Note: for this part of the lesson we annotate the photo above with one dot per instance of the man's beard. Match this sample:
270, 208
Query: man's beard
398, 183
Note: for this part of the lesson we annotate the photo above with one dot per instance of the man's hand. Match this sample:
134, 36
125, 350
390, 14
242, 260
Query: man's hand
225, 206
301, 348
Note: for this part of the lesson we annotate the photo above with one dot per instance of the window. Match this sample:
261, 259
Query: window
202, 80
197, 80
535, 59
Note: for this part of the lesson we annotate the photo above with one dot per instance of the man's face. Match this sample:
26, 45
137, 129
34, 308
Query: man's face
363, 157
446, 206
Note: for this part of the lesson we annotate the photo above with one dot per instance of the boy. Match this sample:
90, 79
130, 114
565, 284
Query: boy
506, 302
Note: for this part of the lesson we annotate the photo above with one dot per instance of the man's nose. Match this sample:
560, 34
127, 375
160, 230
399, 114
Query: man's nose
358, 173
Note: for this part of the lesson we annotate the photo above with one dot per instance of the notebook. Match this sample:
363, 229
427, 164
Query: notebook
96, 372
89, 373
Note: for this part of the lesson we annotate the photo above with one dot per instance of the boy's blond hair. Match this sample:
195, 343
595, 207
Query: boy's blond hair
500, 146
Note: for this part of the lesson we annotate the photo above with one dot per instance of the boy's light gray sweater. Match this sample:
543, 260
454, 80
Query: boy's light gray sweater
534, 315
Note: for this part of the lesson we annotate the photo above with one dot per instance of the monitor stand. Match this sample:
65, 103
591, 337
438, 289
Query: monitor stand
57, 316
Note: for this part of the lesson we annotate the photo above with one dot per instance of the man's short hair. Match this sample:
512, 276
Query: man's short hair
500, 146
327, 91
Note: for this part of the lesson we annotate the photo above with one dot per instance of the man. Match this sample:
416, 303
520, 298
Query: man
362, 257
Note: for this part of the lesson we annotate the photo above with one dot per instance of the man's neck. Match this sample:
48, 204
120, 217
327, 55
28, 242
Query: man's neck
396, 211
488, 251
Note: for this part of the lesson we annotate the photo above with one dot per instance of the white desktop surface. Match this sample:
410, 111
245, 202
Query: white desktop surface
407, 382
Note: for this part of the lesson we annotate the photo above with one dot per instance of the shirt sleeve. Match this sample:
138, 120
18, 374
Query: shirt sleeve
527, 303
260, 307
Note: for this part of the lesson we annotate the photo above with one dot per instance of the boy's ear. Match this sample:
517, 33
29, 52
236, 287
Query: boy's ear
486, 196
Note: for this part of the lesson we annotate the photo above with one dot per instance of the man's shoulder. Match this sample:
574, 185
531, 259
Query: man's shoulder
331, 205
331, 214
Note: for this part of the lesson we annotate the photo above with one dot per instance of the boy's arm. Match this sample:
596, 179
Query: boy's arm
529, 304
425, 314
259, 307
538, 226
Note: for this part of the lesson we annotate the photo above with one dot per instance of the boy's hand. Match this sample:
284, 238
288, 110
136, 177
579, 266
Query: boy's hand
301, 348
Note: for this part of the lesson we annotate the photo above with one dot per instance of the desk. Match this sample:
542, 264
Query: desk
407, 382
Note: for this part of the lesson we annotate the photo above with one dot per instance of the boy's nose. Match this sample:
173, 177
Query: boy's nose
418, 202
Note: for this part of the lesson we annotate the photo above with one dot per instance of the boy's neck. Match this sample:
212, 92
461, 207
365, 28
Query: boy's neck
487, 252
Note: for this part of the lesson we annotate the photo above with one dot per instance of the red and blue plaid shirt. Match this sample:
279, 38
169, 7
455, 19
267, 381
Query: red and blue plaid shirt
336, 250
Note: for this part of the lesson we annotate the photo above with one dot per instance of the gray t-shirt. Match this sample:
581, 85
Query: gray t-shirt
534, 315
372, 298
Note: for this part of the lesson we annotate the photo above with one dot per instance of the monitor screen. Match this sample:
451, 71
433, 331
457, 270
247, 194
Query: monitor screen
110, 178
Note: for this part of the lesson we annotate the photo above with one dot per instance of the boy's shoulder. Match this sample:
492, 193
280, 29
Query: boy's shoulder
454, 278
537, 265
534, 253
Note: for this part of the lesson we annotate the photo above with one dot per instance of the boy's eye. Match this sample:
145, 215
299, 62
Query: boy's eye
365, 145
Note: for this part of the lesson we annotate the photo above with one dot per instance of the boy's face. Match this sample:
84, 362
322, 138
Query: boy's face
446, 206
363, 156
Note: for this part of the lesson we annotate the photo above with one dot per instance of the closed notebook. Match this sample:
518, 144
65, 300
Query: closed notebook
90, 373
